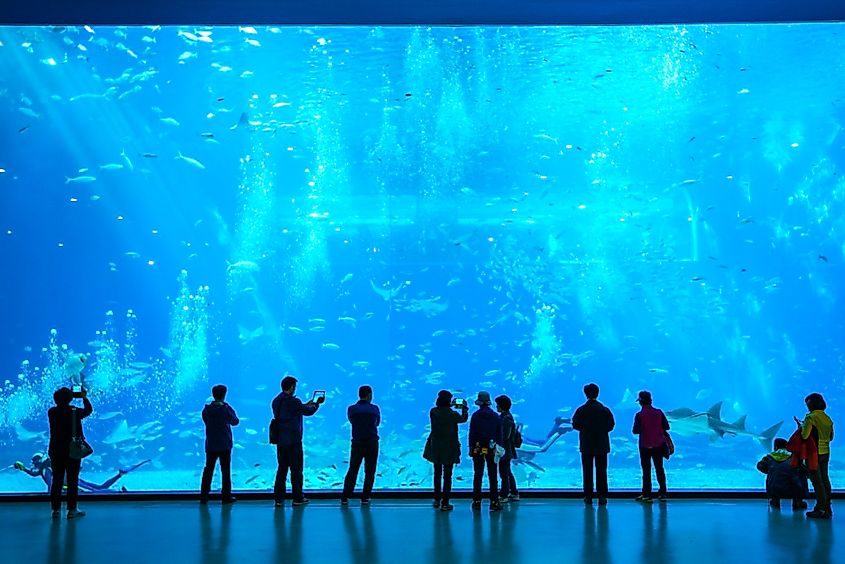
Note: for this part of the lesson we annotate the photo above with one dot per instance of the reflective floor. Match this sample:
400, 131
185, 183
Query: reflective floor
411, 531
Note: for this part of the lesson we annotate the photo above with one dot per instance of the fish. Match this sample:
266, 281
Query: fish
170, 121
126, 159
822, 258
111, 166
29, 112
688, 422
187, 55
80, 179
349, 321
248, 29
331, 346
191, 161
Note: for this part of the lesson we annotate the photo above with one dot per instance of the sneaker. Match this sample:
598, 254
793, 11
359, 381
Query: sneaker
446, 507
301, 501
802, 505
644, 499
814, 514
514, 497
279, 504
436, 504
75, 514
229, 500
56, 514
476, 506
495, 506
662, 498
504, 500
602, 501
344, 502
365, 501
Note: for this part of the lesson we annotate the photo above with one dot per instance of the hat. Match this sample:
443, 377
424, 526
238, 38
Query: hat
644, 397
483, 398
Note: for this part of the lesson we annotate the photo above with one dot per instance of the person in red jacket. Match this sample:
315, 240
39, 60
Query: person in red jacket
651, 425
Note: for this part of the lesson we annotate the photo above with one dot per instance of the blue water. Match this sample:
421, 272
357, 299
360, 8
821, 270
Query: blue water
517, 210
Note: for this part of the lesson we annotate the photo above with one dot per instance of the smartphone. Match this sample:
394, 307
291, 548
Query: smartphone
460, 402
77, 390
319, 394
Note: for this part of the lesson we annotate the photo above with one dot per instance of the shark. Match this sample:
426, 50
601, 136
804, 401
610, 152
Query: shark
688, 422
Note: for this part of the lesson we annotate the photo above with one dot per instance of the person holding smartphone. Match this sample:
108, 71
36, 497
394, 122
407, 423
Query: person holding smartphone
288, 411
443, 449
62, 417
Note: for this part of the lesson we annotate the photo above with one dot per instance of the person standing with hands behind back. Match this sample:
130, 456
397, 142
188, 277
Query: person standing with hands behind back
65, 424
594, 421
443, 448
218, 417
288, 412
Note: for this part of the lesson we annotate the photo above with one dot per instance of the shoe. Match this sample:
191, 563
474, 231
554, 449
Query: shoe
229, 500
56, 514
662, 498
504, 500
279, 504
802, 505
644, 499
436, 504
818, 514
344, 502
365, 501
203, 501
495, 506
75, 514
602, 501
476, 506
514, 497
446, 507
588, 501
301, 501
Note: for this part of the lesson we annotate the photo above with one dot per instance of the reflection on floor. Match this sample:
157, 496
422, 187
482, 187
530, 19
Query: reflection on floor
411, 531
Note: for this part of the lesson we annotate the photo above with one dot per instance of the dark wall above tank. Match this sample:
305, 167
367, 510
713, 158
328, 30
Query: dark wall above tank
446, 12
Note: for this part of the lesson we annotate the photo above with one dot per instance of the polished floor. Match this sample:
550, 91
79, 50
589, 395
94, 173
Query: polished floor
404, 532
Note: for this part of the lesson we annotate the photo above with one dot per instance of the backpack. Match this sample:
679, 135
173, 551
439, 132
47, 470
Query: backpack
517, 436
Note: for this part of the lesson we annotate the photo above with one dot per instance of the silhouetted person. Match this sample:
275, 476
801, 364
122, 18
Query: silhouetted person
651, 425
66, 423
782, 479
443, 448
818, 425
594, 421
288, 411
218, 417
365, 418
485, 433
508, 491
41, 468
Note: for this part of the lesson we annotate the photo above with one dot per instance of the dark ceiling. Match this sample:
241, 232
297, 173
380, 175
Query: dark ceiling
446, 12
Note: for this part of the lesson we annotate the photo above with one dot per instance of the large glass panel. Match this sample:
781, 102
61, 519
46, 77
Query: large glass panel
517, 210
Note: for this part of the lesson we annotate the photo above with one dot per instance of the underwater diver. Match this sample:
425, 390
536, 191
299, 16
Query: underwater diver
532, 447
41, 468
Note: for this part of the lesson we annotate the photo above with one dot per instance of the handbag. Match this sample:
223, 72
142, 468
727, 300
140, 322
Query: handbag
272, 431
79, 447
668, 446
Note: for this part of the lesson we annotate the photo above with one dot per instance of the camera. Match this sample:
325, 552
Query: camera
459, 402
76, 389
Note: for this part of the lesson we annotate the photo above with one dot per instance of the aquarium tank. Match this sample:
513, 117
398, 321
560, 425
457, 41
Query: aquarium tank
519, 210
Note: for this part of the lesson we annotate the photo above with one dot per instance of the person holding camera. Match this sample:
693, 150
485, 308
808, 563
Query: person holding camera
218, 417
485, 435
594, 422
365, 418
288, 412
65, 426
443, 448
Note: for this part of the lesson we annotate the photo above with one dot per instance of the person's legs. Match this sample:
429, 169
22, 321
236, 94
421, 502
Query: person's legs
438, 473
587, 474
657, 459
477, 476
645, 464
73, 468
207, 474
601, 475
824, 463
513, 489
447, 482
356, 455
280, 487
296, 468
370, 465
59, 469
226, 471
493, 478
505, 477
